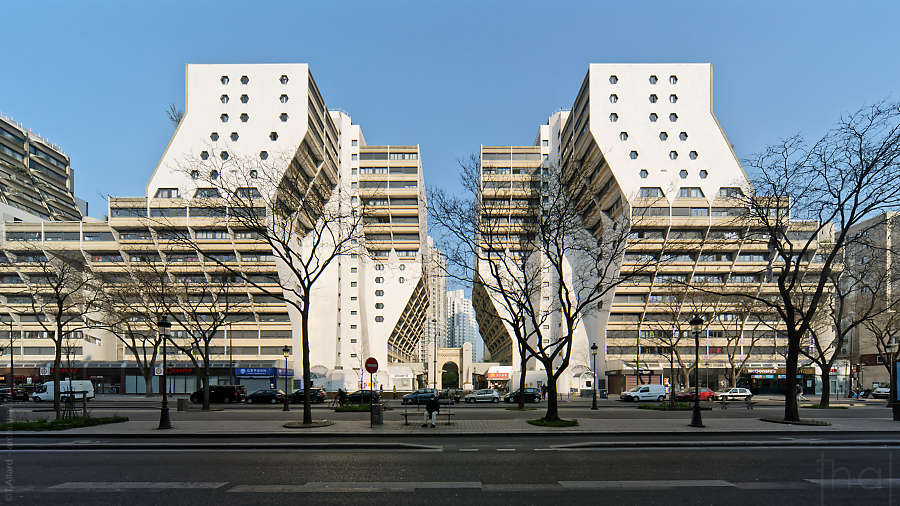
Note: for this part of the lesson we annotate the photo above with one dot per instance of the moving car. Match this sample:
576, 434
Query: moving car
420, 396
881, 393
363, 397
735, 393
487, 395
221, 394
17, 394
706, 394
645, 393
45, 392
316, 395
530, 395
269, 395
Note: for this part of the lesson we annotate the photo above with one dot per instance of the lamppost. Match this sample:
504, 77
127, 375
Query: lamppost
287, 352
696, 326
434, 337
164, 421
892, 402
594, 370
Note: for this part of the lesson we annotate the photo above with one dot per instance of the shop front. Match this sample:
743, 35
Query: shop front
257, 378
762, 381
498, 377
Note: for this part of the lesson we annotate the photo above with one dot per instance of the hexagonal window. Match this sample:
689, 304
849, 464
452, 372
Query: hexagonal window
653, 79
613, 79
613, 117
214, 174
613, 98
673, 155
214, 136
273, 136
643, 173
283, 98
673, 80
283, 117
223, 155
195, 174
252, 174
653, 117
683, 174
633, 155
244, 117
234, 136
224, 118
204, 155
263, 155
663, 136
673, 117
673, 98
703, 174
244, 99
283, 79
653, 98
224, 99
224, 79
693, 155
245, 79
623, 136
683, 136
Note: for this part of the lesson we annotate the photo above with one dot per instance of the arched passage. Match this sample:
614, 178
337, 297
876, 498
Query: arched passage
450, 375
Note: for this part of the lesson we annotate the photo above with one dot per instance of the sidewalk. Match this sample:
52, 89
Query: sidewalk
479, 428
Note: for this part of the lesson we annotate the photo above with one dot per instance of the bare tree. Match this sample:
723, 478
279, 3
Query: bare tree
742, 332
309, 222
808, 204
174, 114
885, 329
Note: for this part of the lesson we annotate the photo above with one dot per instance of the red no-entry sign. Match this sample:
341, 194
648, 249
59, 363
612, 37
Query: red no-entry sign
371, 365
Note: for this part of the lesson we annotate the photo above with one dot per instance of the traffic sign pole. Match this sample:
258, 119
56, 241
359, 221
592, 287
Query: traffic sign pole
371, 368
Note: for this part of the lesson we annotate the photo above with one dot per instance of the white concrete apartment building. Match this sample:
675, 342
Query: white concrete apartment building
641, 140
461, 324
370, 303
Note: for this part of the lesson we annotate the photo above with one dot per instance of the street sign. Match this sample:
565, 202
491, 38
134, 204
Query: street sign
158, 370
45, 371
371, 365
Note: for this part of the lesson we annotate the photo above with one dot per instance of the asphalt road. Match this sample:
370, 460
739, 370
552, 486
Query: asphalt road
532, 470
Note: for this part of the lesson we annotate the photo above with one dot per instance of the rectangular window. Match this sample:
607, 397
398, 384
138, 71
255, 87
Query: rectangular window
690, 193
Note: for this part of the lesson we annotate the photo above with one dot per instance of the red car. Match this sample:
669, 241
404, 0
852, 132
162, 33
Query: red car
688, 395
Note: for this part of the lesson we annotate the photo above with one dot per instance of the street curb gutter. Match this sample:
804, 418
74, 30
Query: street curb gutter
224, 446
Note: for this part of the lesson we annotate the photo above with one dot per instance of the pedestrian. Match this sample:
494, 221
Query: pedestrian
381, 392
543, 392
341, 396
395, 392
432, 406
800, 396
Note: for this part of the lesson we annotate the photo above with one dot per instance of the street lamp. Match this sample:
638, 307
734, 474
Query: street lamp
594, 370
434, 337
164, 421
696, 326
287, 352
894, 405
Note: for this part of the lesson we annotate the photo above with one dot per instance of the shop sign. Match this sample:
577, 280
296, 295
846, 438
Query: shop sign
760, 371
254, 372
158, 370
498, 376
45, 371
179, 370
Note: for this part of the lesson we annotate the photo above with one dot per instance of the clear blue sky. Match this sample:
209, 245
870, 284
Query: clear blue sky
95, 77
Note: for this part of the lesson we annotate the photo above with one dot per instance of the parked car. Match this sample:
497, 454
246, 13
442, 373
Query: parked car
221, 394
735, 393
706, 394
45, 392
881, 393
487, 395
420, 396
363, 397
453, 394
530, 395
644, 393
316, 395
16, 394
264, 395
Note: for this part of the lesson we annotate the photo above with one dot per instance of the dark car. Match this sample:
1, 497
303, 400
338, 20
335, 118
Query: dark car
452, 394
362, 397
266, 395
530, 395
221, 394
688, 395
18, 394
420, 396
316, 395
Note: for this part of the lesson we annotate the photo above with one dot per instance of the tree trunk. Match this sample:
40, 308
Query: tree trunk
791, 410
57, 361
733, 381
148, 383
552, 414
672, 381
523, 360
825, 400
205, 379
304, 344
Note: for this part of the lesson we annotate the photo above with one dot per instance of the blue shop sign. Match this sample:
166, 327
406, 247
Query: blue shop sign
254, 372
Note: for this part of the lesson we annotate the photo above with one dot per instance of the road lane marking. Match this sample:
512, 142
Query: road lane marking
766, 485
468, 449
645, 484
506, 449
122, 485
355, 487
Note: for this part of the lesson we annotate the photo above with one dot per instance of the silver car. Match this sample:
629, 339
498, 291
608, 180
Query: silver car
483, 396
735, 393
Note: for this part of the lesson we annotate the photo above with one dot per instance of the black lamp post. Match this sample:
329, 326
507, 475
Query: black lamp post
696, 326
164, 421
594, 370
287, 352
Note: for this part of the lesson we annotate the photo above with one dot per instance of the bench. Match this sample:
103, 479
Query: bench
748, 403
419, 414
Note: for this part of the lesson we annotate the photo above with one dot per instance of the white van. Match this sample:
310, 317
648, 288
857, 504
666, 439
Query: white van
44, 392
645, 393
